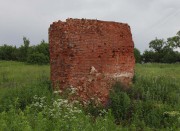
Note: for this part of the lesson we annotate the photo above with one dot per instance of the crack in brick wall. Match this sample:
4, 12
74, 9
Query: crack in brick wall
90, 55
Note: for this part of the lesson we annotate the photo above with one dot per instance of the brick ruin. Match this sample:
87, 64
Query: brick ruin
90, 56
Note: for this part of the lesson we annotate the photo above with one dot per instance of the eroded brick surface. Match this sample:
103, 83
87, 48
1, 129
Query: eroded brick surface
90, 55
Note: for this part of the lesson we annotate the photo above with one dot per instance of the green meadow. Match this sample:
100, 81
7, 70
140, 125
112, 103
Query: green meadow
27, 101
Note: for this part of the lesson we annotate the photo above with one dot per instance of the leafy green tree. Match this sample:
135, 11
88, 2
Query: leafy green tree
170, 57
148, 56
43, 48
37, 58
23, 50
37, 54
157, 45
178, 56
137, 55
174, 42
8, 52
163, 51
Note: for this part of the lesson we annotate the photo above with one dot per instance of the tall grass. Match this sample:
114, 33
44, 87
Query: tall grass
15, 74
27, 101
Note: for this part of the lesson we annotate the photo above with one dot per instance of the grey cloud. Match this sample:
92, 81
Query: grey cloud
147, 19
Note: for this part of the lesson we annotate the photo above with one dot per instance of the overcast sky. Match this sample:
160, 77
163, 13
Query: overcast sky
31, 18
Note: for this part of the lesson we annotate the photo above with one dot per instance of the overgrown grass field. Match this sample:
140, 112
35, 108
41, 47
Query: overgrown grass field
27, 101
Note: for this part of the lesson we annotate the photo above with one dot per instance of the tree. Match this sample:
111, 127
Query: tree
148, 56
157, 45
137, 55
37, 54
8, 52
23, 50
170, 57
163, 51
174, 42
42, 48
37, 58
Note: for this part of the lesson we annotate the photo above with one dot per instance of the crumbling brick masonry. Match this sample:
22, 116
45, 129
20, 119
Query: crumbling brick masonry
90, 55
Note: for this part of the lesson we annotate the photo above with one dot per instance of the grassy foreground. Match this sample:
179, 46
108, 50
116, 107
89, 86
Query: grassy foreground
27, 102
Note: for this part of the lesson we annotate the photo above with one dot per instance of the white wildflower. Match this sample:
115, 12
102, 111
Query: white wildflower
57, 92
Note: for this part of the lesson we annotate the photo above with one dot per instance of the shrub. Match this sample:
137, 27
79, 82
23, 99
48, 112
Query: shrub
137, 55
21, 97
8, 52
37, 58
120, 102
94, 110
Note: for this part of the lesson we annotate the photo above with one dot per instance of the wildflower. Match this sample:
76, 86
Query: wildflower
172, 113
60, 108
57, 92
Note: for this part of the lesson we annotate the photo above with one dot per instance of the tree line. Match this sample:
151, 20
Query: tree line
36, 54
160, 51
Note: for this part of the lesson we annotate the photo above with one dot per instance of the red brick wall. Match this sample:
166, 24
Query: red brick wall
90, 55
